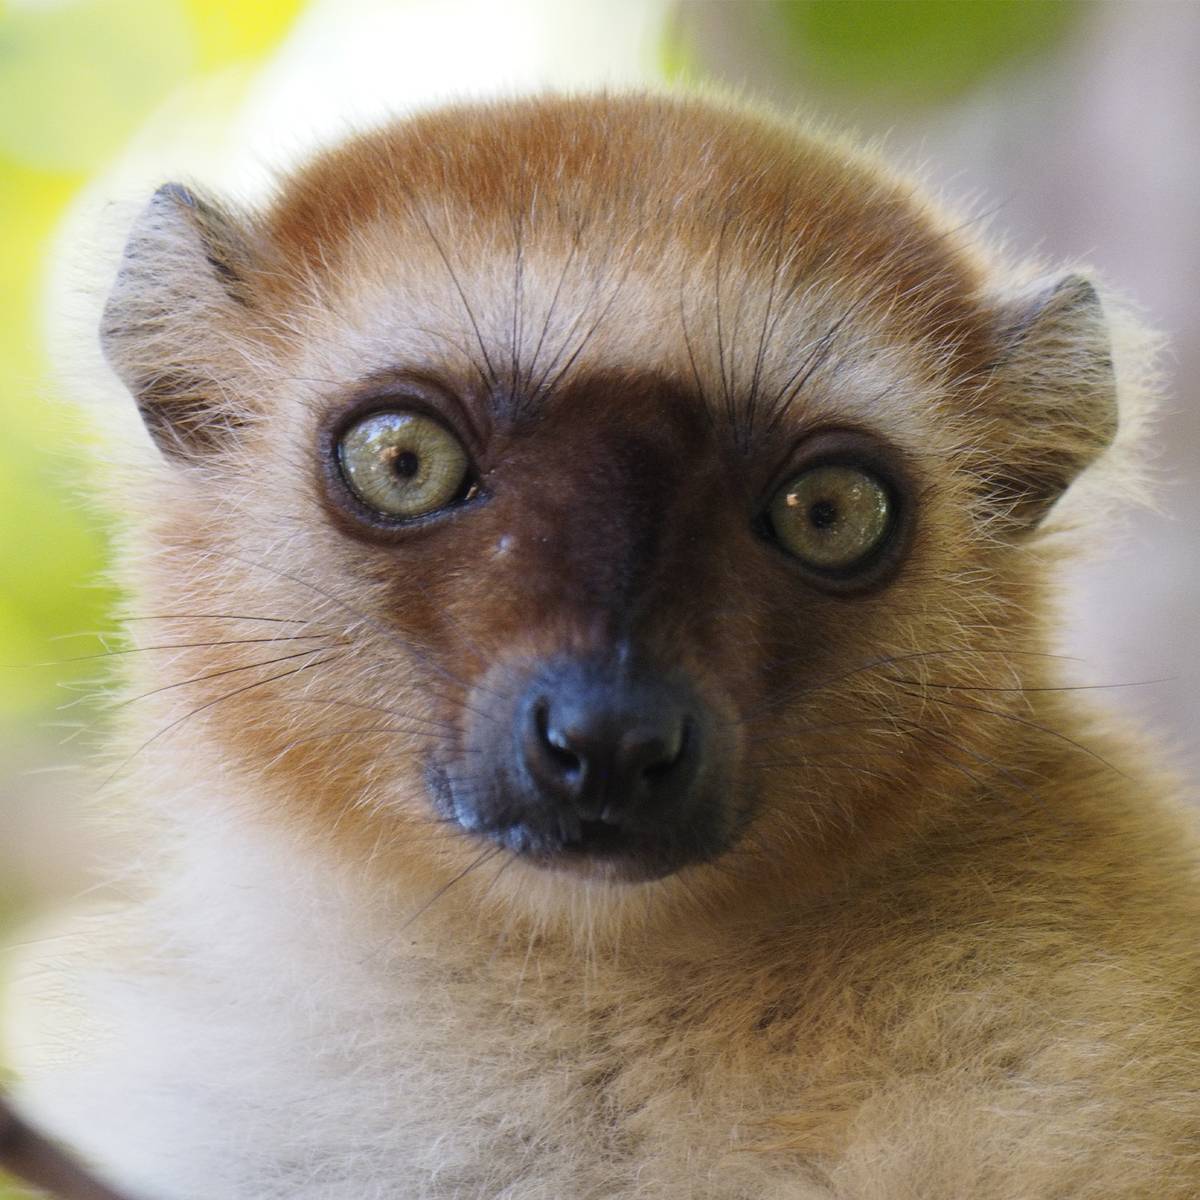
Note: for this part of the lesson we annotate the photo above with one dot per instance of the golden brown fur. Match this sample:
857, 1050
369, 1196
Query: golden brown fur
952, 952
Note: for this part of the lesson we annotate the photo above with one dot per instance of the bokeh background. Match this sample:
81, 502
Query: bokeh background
1074, 125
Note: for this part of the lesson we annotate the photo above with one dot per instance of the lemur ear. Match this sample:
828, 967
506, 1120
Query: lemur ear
173, 317
1053, 395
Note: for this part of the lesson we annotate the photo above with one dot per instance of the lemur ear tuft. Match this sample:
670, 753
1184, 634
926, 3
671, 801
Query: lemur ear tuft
179, 307
1052, 394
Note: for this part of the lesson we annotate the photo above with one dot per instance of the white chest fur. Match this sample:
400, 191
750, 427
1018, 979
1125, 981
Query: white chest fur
285, 1040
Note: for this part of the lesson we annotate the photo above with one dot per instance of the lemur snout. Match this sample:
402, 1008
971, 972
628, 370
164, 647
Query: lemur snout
579, 760
603, 747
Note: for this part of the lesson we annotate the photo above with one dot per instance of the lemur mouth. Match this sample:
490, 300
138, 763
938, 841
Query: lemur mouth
592, 848
598, 838
600, 849
603, 850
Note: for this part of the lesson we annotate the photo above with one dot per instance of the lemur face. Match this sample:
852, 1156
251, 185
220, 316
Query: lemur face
615, 578
631, 480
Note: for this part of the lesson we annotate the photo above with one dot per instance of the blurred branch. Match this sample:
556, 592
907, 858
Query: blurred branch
27, 1155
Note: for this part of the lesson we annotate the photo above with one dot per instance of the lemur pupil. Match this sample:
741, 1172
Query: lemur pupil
406, 464
822, 514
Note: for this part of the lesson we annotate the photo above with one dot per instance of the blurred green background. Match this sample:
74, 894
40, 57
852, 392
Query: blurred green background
1079, 117
77, 80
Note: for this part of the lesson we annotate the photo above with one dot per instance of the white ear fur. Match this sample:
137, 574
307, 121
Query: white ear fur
173, 314
1052, 395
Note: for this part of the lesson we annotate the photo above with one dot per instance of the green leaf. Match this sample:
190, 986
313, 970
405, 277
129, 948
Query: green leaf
919, 50
886, 52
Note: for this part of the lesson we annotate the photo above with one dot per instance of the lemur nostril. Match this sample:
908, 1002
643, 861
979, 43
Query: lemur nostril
672, 754
554, 743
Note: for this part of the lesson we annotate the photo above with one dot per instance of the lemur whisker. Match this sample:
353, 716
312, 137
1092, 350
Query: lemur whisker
767, 328
388, 631
552, 307
269, 662
772, 703
202, 616
504, 866
337, 702
210, 704
419, 727
1076, 687
516, 333
988, 762
489, 375
549, 386
822, 348
1026, 723
126, 650
726, 382
485, 856
697, 380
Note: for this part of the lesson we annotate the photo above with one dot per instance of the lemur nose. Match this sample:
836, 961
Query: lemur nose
603, 747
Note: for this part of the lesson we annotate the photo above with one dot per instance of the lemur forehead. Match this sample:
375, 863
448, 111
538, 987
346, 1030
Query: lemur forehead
633, 176
501, 355
821, 385
530, 244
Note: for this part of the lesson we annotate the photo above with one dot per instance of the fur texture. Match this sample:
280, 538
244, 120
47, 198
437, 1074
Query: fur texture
951, 951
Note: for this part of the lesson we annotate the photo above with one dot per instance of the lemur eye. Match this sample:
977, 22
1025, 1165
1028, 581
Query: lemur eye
403, 464
832, 517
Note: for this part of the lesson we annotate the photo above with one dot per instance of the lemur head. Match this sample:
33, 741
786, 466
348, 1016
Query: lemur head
625, 486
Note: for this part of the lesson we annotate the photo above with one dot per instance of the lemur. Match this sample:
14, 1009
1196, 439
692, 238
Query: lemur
597, 731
